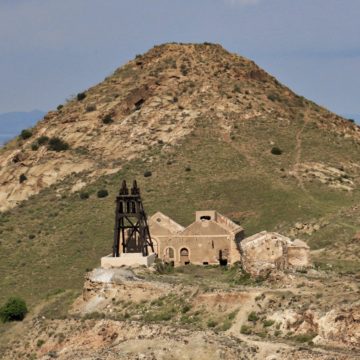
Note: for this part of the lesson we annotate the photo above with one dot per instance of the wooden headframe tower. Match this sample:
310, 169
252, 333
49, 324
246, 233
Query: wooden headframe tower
131, 227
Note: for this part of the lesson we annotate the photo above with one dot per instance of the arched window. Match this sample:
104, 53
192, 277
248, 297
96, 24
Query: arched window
169, 252
184, 252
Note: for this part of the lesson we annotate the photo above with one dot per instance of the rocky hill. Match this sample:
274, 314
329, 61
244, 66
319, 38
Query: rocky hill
158, 99
199, 128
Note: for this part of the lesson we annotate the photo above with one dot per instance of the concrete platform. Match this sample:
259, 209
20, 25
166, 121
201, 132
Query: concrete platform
128, 259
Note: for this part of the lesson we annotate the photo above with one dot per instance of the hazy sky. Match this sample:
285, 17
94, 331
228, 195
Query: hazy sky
51, 49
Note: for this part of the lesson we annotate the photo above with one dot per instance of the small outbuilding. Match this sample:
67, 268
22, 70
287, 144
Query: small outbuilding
269, 250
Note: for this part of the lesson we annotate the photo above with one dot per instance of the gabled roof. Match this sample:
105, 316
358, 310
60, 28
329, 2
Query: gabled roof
162, 225
219, 225
228, 223
265, 236
205, 227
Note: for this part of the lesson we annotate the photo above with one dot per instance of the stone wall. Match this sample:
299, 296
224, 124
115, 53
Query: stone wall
265, 251
201, 249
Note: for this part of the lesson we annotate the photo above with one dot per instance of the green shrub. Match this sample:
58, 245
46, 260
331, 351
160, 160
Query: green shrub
107, 119
102, 193
246, 330
22, 178
147, 173
57, 144
185, 308
276, 151
34, 146
303, 338
163, 268
268, 323
60, 107
273, 97
42, 140
261, 334
81, 96
25, 134
40, 343
237, 88
84, 195
211, 323
253, 316
183, 69
90, 108
226, 325
188, 168
232, 315
14, 310
32, 236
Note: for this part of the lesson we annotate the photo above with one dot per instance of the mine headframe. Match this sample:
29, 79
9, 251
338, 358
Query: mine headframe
131, 227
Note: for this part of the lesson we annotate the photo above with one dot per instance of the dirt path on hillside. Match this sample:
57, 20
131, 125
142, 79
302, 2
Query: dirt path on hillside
298, 153
265, 349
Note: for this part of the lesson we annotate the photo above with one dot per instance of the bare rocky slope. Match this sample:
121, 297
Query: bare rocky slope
199, 128
198, 313
159, 98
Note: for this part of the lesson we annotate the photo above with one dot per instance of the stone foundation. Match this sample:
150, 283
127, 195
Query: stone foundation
128, 259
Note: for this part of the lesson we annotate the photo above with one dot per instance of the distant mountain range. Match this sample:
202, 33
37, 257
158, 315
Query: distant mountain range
12, 123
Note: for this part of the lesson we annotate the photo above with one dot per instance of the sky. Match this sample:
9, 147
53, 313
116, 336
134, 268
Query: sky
52, 49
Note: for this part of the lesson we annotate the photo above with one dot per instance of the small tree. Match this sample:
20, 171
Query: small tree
90, 108
276, 151
81, 96
22, 178
14, 310
84, 195
25, 134
102, 193
107, 119
42, 140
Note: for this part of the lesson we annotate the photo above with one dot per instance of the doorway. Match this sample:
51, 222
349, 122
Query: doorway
184, 256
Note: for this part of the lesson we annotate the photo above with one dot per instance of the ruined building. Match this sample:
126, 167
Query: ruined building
212, 239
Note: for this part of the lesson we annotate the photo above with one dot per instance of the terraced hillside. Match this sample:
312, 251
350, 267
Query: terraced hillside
214, 130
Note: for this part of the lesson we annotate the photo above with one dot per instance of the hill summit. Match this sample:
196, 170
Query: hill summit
158, 99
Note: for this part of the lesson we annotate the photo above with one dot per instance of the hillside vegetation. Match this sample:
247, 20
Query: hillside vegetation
205, 123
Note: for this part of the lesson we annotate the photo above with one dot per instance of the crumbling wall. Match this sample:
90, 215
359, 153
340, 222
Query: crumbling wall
265, 251
298, 257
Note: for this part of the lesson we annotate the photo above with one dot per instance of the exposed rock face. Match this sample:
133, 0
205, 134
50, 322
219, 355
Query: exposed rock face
266, 251
102, 285
334, 177
340, 327
113, 340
